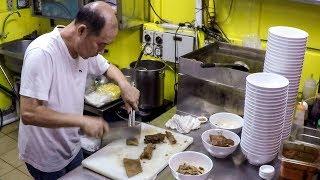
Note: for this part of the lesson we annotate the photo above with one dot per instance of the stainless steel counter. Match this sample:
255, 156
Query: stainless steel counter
232, 167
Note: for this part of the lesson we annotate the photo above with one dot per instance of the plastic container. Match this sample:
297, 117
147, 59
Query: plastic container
301, 113
309, 90
299, 160
266, 172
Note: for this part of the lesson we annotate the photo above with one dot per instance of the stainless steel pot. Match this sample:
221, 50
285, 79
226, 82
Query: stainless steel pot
149, 79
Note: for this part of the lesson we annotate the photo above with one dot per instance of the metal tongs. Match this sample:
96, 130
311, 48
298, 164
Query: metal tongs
132, 118
132, 115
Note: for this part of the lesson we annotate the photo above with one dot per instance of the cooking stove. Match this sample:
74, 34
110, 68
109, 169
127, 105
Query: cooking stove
115, 111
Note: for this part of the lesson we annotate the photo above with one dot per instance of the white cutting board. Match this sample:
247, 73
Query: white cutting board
108, 161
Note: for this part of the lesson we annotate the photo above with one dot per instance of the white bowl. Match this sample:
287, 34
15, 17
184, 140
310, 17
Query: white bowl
287, 40
283, 70
288, 32
261, 139
216, 151
260, 150
262, 108
265, 123
278, 55
271, 144
264, 126
284, 51
262, 98
284, 45
269, 137
192, 158
267, 80
225, 120
258, 159
266, 104
265, 112
277, 93
255, 97
262, 114
282, 42
283, 65
283, 62
265, 91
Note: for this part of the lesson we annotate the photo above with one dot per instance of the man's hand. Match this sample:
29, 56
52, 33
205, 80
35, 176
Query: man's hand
130, 96
94, 126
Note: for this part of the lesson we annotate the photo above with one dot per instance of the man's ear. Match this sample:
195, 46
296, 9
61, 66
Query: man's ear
82, 30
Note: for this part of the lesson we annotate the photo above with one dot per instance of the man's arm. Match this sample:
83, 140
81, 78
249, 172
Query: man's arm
129, 94
34, 112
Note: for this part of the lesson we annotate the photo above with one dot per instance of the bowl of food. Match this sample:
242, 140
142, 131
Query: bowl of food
220, 142
190, 165
228, 121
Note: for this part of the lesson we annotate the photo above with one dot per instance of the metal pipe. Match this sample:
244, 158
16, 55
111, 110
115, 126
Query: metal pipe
4, 35
7, 78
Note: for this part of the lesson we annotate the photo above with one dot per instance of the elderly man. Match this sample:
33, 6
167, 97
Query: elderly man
52, 91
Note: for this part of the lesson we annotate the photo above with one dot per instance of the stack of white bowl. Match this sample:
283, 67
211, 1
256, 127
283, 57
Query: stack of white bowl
264, 115
285, 54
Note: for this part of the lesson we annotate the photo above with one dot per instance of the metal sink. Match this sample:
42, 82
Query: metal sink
305, 134
205, 91
13, 53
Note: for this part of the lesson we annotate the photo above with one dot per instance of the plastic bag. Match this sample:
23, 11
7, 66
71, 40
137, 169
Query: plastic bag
103, 94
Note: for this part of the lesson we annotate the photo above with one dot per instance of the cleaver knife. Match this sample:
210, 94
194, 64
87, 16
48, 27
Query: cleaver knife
124, 131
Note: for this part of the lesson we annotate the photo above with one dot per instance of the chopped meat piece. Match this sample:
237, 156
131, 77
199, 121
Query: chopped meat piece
154, 139
190, 170
171, 137
147, 151
219, 140
132, 166
132, 142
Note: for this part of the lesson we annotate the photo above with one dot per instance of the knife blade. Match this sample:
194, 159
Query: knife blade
125, 132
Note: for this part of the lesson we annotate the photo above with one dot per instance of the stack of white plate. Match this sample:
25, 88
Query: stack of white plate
285, 54
264, 115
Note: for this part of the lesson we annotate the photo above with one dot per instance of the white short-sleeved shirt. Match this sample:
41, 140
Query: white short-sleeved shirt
50, 74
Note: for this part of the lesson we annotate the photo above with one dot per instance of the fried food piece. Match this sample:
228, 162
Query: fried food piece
132, 166
132, 142
171, 137
147, 151
190, 170
154, 139
219, 140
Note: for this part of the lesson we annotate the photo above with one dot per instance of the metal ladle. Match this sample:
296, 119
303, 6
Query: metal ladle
238, 65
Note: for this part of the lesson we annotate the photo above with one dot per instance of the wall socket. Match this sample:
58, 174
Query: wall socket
10, 5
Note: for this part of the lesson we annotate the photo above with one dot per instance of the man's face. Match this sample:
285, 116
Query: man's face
89, 45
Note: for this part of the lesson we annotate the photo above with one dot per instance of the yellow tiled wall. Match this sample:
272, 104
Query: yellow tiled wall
238, 18
256, 16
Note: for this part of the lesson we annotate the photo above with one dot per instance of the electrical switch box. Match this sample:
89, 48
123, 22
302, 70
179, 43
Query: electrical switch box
176, 45
167, 45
